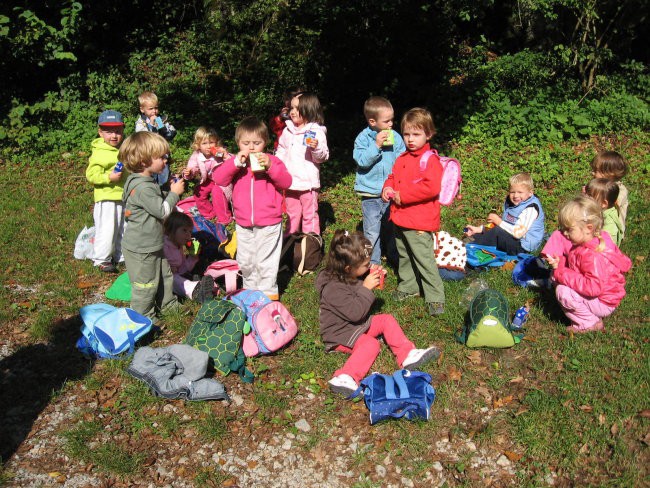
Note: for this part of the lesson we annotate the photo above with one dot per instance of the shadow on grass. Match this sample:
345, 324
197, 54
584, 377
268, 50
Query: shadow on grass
31, 376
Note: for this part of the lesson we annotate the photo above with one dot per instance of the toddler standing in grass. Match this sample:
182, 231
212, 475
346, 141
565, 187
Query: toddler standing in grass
302, 148
258, 179
590, 281
144, 154
108, 180
413, 189
375, 150
346, 294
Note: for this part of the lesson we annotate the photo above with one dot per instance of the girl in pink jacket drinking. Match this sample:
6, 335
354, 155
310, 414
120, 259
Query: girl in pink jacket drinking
590, 281
258, 179
303, 147
212, 201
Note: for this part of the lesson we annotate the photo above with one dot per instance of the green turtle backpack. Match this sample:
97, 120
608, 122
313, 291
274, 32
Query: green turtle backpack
218, 329
488, 324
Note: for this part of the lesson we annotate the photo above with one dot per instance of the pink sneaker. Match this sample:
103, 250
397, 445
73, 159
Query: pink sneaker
576, 329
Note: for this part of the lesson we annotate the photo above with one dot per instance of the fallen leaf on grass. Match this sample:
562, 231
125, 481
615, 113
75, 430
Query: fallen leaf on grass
586, 408
501, 402
601, 419
584, 449
82, 285
645, 414
484, 392
508, 266
474, 357
646, 439
639, 258
454, 374
614, 430
517, 380
54, 474
513, 456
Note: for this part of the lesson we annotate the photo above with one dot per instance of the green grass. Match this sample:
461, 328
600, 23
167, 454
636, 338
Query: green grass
570, 406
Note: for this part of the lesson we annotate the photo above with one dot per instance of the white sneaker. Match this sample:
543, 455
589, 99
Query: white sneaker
418, 357
343, 384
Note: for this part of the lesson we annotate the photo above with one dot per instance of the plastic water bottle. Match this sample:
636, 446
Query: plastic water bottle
472, 290
119, 167
521, 315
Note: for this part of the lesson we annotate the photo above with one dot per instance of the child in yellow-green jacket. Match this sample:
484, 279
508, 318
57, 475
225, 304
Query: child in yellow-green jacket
108, 179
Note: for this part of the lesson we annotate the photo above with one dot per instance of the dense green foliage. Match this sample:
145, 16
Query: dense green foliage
516, 72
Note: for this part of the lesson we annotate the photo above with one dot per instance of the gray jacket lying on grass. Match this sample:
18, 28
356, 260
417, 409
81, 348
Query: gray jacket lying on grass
176, 371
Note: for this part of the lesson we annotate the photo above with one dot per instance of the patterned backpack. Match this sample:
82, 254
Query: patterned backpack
218, 330
489, 322
451, 178
272, 325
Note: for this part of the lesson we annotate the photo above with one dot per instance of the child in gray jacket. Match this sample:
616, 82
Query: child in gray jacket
144, 154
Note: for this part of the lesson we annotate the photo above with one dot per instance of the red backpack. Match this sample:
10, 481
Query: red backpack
451, 179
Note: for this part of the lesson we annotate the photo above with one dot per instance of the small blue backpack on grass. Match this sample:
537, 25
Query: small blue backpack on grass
110, 332
405, 393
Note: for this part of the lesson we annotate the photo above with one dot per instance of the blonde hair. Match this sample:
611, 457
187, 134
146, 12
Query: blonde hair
252, 125
601, 190
140, 148
147, 96
610, 165
203, 133
374, 105
522, 179
419, 118
582, 210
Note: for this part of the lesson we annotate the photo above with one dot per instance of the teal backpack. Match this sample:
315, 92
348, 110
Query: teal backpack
218, 329
488, 323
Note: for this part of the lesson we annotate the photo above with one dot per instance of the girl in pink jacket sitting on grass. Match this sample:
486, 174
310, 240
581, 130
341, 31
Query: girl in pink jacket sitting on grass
258, 180
590, 281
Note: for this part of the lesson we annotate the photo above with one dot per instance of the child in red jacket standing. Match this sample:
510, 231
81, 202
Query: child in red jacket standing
258, 179
413, 187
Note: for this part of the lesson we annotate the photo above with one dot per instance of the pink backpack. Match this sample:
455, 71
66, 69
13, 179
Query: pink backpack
451, 179
272, 325
229, 269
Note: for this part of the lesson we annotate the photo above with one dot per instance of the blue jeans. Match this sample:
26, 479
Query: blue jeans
375, 220
451, 274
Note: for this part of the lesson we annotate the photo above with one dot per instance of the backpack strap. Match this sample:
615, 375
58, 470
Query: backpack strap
398, 377
425, 159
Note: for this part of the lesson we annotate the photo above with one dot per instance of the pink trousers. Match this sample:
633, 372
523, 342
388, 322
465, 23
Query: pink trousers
302, 210
582, 312
366, 349
219, 207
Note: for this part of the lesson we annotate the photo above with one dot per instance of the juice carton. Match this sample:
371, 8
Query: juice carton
310, 136
390, 140
375, 268
255, 162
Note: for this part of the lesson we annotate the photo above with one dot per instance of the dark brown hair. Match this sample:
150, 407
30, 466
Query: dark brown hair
601, 189
309, 108
347, 249
610, 165
176, 220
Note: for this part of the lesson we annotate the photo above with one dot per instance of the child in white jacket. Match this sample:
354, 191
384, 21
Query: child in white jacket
302, 148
